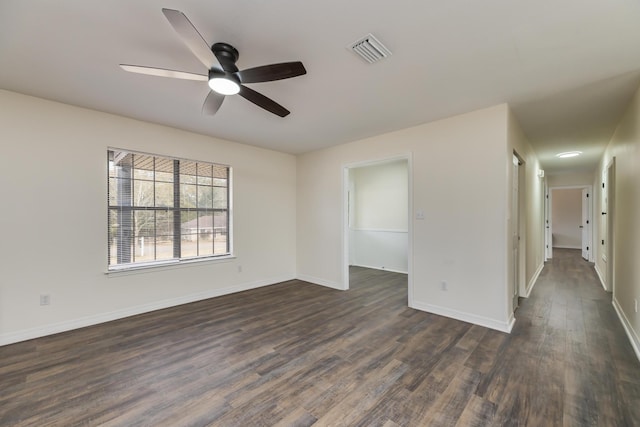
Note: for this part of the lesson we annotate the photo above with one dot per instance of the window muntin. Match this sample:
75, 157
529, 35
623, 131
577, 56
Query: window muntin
163, 209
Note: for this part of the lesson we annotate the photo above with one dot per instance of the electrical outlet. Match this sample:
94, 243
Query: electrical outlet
45, 299
443, 285
239, 269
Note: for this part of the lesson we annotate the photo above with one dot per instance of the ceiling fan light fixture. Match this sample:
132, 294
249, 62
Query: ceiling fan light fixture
568, 154
224, 76
224, 86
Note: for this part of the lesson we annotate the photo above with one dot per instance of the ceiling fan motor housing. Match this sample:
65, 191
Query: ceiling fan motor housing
227, 56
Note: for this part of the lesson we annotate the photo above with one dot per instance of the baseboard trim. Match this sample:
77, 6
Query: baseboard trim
631, 334
466, 317
533, 280
321, 282
68, 325
567, 247
380, 268
599, 273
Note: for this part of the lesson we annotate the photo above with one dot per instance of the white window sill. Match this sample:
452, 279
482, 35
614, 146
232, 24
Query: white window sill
166, 265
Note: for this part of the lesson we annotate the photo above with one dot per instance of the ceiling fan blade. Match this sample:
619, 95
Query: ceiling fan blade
192, 38
162, 72
267, 73
262, 101
212, 103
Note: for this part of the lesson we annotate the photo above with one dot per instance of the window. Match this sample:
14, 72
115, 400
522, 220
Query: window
165, 210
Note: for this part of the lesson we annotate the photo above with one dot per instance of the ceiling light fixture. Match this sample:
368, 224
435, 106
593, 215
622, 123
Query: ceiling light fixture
224, 86
568, 154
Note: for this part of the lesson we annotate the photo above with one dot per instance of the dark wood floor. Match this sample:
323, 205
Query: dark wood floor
300, 354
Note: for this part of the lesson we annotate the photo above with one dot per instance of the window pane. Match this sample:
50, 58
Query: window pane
144, 250
205, 197
112, 232
205, 224
143, 167
120, 191
219, 182
143, 193
205, 172
144, 233
119, 161
205, 233
189, 234
164, 223
189, 245
164, 176
220, 235
205, 180
113, 191
164, 194
219, 198
164, 169
187, 172
164, 235
120, 236
205, 246
144, 223
164, 248
188, 196
111, 163
220, 172
143, 174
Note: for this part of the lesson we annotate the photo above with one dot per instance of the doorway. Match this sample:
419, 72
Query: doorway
569, 219
376, 217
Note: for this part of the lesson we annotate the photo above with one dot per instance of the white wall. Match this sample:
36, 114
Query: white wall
625, 147
53, 191
378, 229
459, 181
566, 217
570, 179
379, 249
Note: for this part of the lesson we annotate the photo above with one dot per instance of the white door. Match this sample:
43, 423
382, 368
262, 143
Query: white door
585, 226
548, 238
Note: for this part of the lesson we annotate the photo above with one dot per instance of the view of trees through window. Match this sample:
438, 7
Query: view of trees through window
164, 209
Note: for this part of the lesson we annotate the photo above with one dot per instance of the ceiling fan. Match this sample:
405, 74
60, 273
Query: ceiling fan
224, 78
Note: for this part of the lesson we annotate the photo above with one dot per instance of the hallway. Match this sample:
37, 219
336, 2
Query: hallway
571, 358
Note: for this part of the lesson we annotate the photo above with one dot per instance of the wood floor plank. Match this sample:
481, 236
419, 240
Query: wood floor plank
477, 413
449, 406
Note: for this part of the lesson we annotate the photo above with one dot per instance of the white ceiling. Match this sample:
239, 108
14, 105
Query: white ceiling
567, 67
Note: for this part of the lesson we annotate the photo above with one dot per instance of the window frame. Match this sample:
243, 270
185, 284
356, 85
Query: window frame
177, 209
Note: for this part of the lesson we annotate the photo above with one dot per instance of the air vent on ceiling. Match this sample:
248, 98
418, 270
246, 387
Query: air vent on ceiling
370, 49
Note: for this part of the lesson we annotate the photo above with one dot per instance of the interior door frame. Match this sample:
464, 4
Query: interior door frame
609, 253
518, 231
549, 219
345, 217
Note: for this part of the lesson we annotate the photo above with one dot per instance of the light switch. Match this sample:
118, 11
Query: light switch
419, 214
